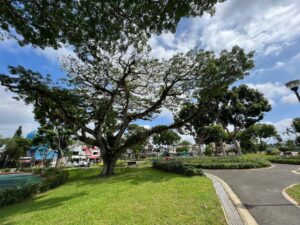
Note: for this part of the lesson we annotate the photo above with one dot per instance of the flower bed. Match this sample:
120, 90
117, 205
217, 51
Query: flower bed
51, 178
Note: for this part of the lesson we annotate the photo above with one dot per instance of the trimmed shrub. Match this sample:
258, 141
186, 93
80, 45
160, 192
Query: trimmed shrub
281, 160
229, 163
52, 178
175, 166
209, 150
273, 151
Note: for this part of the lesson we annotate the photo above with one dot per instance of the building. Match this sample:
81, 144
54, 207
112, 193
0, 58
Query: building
39, 155
81, 153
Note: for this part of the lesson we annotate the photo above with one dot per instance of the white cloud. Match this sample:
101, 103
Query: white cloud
271, 90
266, 26
148, 127
281, 127
188, 138
13, 114
275, 93
289, 99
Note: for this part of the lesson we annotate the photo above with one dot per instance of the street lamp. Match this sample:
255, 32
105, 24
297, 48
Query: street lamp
294, 86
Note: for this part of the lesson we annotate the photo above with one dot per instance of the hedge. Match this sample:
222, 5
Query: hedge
279, 160
52, 178
175, 166
244, 165
229, 163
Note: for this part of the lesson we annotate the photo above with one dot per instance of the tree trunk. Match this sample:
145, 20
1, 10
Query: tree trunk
237, 147
108, 167
222, 148
59, 159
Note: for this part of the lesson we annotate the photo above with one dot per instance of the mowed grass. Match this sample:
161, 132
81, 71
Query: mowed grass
294, 192
133, 196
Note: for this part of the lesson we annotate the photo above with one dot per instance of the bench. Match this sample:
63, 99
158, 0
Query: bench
131, 163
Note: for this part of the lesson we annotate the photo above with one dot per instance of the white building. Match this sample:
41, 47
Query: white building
81, 153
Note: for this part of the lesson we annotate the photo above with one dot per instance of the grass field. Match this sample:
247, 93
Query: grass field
136, 196
294, 192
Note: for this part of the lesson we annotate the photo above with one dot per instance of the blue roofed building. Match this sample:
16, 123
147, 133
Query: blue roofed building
41, 154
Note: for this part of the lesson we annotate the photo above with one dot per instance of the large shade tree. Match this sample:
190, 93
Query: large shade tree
107, 23
241, 107
101, 97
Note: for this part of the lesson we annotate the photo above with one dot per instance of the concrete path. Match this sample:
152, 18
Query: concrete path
260, 192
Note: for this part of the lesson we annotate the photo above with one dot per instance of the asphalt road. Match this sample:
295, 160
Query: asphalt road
260, 191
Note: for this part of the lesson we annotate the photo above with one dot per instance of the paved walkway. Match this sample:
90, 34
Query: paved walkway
260, 191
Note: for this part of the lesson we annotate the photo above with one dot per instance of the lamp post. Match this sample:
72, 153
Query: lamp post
294, 86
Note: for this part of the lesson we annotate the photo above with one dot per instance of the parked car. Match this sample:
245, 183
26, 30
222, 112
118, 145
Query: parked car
83, 164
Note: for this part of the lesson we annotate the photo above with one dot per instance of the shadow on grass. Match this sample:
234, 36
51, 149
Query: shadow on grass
37, 204
134, 176
87, 177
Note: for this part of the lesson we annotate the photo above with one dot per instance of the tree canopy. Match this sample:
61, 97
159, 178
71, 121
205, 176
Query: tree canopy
15, 148
107, 23
258, 134
167, 137
241, 107
101, 98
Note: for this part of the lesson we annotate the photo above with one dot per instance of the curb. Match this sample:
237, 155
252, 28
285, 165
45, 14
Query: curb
239, 206
290, 199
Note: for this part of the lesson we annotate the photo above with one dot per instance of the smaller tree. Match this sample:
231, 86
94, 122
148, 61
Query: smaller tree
166, 138
262, 133
15, 148
241, 107
55, 137
216, 133
18, 132
295, 129
183, 146
134, 129
247, 141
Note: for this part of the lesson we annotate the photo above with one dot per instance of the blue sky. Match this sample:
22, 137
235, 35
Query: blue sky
271, 28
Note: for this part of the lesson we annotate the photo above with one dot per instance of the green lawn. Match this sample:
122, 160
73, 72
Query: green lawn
294, 192
134, 196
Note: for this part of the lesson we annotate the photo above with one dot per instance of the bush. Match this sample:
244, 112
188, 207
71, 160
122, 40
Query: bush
281, 160
284, 148
229, 163
177, 167
273, 151
209, 150
52, 178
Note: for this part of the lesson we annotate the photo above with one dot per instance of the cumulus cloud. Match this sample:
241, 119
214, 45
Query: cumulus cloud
13, 114
266, 26
188, 138
290, 99
281, 127
275, 93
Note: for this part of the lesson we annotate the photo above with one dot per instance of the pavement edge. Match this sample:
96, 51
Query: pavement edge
290, 199
241, 209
